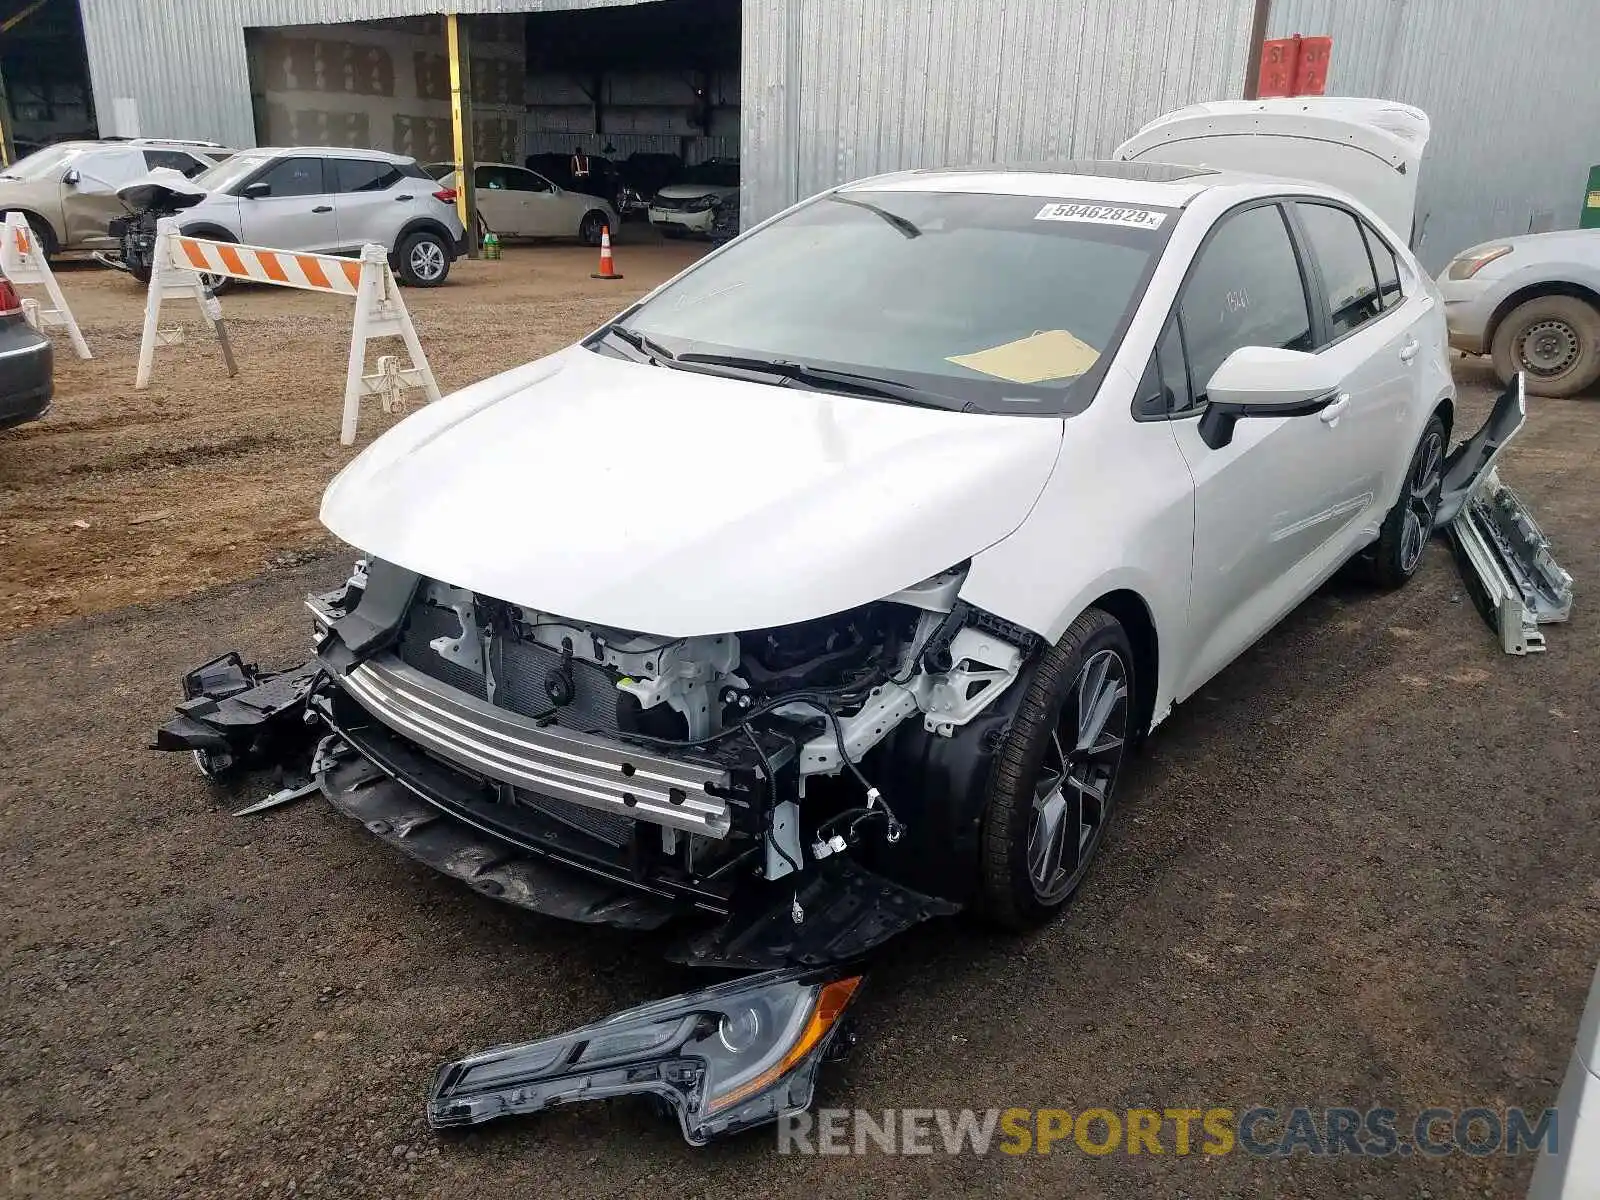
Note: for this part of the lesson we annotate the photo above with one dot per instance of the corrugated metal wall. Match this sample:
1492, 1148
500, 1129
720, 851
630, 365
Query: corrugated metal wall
838, 89
183, 61
1513, 90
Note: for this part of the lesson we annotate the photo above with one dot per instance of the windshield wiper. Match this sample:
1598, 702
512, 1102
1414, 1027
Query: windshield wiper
827, 379
895, 219
654, 350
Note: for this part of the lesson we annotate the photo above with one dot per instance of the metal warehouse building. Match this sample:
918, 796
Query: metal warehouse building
817, 91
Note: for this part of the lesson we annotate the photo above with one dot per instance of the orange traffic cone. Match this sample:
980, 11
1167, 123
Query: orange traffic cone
608, 268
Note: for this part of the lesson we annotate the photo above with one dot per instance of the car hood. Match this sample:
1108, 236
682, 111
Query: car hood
678, 504
162, 186
692, 191
1580, 244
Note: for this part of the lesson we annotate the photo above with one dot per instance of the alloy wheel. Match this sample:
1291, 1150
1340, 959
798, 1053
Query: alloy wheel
1421, 500
427, 260
1072, 799
1548, 348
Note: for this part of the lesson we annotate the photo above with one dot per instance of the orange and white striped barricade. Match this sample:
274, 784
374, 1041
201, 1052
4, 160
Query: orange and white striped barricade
23, 261
380, 311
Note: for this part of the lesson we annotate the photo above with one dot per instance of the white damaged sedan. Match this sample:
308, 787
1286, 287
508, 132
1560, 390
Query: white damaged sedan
970, 475
825, 590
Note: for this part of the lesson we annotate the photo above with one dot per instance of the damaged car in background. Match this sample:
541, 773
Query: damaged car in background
827, 589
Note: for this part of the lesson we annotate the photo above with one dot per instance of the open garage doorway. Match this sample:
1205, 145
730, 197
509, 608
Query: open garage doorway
635, 104
640, 104
44, 76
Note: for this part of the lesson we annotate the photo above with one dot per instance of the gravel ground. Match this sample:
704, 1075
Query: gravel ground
1359, 869
202, 479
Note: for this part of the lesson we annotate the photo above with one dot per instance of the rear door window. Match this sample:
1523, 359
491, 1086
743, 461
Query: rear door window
176, 160
1244, 290
1348, 282
364, 175
1391, 295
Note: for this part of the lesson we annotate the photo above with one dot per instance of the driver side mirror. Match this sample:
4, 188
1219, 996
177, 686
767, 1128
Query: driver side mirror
71, 177
257, 190
1262, 381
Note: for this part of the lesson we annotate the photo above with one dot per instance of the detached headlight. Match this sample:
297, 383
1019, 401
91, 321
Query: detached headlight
701, 203
1473, 261
726, 1058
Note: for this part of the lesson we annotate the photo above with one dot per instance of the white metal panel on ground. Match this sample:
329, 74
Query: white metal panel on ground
839, 89
1511, 90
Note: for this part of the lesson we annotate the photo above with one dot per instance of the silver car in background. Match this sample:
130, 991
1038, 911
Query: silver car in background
327, 200
1533, 303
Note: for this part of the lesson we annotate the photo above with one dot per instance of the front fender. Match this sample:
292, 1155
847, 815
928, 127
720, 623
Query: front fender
1116, 514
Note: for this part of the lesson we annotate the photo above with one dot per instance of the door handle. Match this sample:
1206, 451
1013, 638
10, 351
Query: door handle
1408, 352
1330, 415
322, 208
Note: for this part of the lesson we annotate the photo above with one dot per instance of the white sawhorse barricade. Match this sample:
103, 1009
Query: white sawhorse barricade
24, 264
380, 311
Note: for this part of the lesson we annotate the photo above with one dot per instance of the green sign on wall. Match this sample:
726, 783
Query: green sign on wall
1590, 218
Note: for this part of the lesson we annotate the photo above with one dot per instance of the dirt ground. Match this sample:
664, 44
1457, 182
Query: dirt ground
202, 479
1359, 869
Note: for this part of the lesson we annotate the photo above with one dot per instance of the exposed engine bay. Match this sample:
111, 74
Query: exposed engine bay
758, 735
162, 193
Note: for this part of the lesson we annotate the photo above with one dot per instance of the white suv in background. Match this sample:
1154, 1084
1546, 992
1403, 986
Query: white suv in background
329, 201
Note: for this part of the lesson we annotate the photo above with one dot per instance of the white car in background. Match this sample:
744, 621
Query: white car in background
516, 202
690, 205
1533, 303
327, 200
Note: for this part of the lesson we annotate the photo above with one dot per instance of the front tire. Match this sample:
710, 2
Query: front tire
1555, 341
423, 260
218, 284
593, 224
1051, 789
1406, 530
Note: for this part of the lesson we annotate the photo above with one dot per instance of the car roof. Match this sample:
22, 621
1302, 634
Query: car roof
481, 163
329, 152
1166, 185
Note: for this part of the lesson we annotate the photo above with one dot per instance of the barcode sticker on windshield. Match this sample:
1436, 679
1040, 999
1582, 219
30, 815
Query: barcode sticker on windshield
1102, 214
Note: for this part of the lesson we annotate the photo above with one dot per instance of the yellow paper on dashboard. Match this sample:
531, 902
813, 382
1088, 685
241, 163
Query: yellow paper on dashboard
1052, 354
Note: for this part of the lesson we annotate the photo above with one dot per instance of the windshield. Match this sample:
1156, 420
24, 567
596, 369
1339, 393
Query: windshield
230, 172
1003, 302
43, 163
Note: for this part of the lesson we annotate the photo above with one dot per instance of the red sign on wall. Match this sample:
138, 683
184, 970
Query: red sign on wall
1294, 66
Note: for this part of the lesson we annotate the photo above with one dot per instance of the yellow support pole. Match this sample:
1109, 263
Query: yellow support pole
460, 53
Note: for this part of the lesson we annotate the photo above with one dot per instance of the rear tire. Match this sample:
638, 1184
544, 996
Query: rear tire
1054, 778
1555, 341
1398, 551
423, 260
